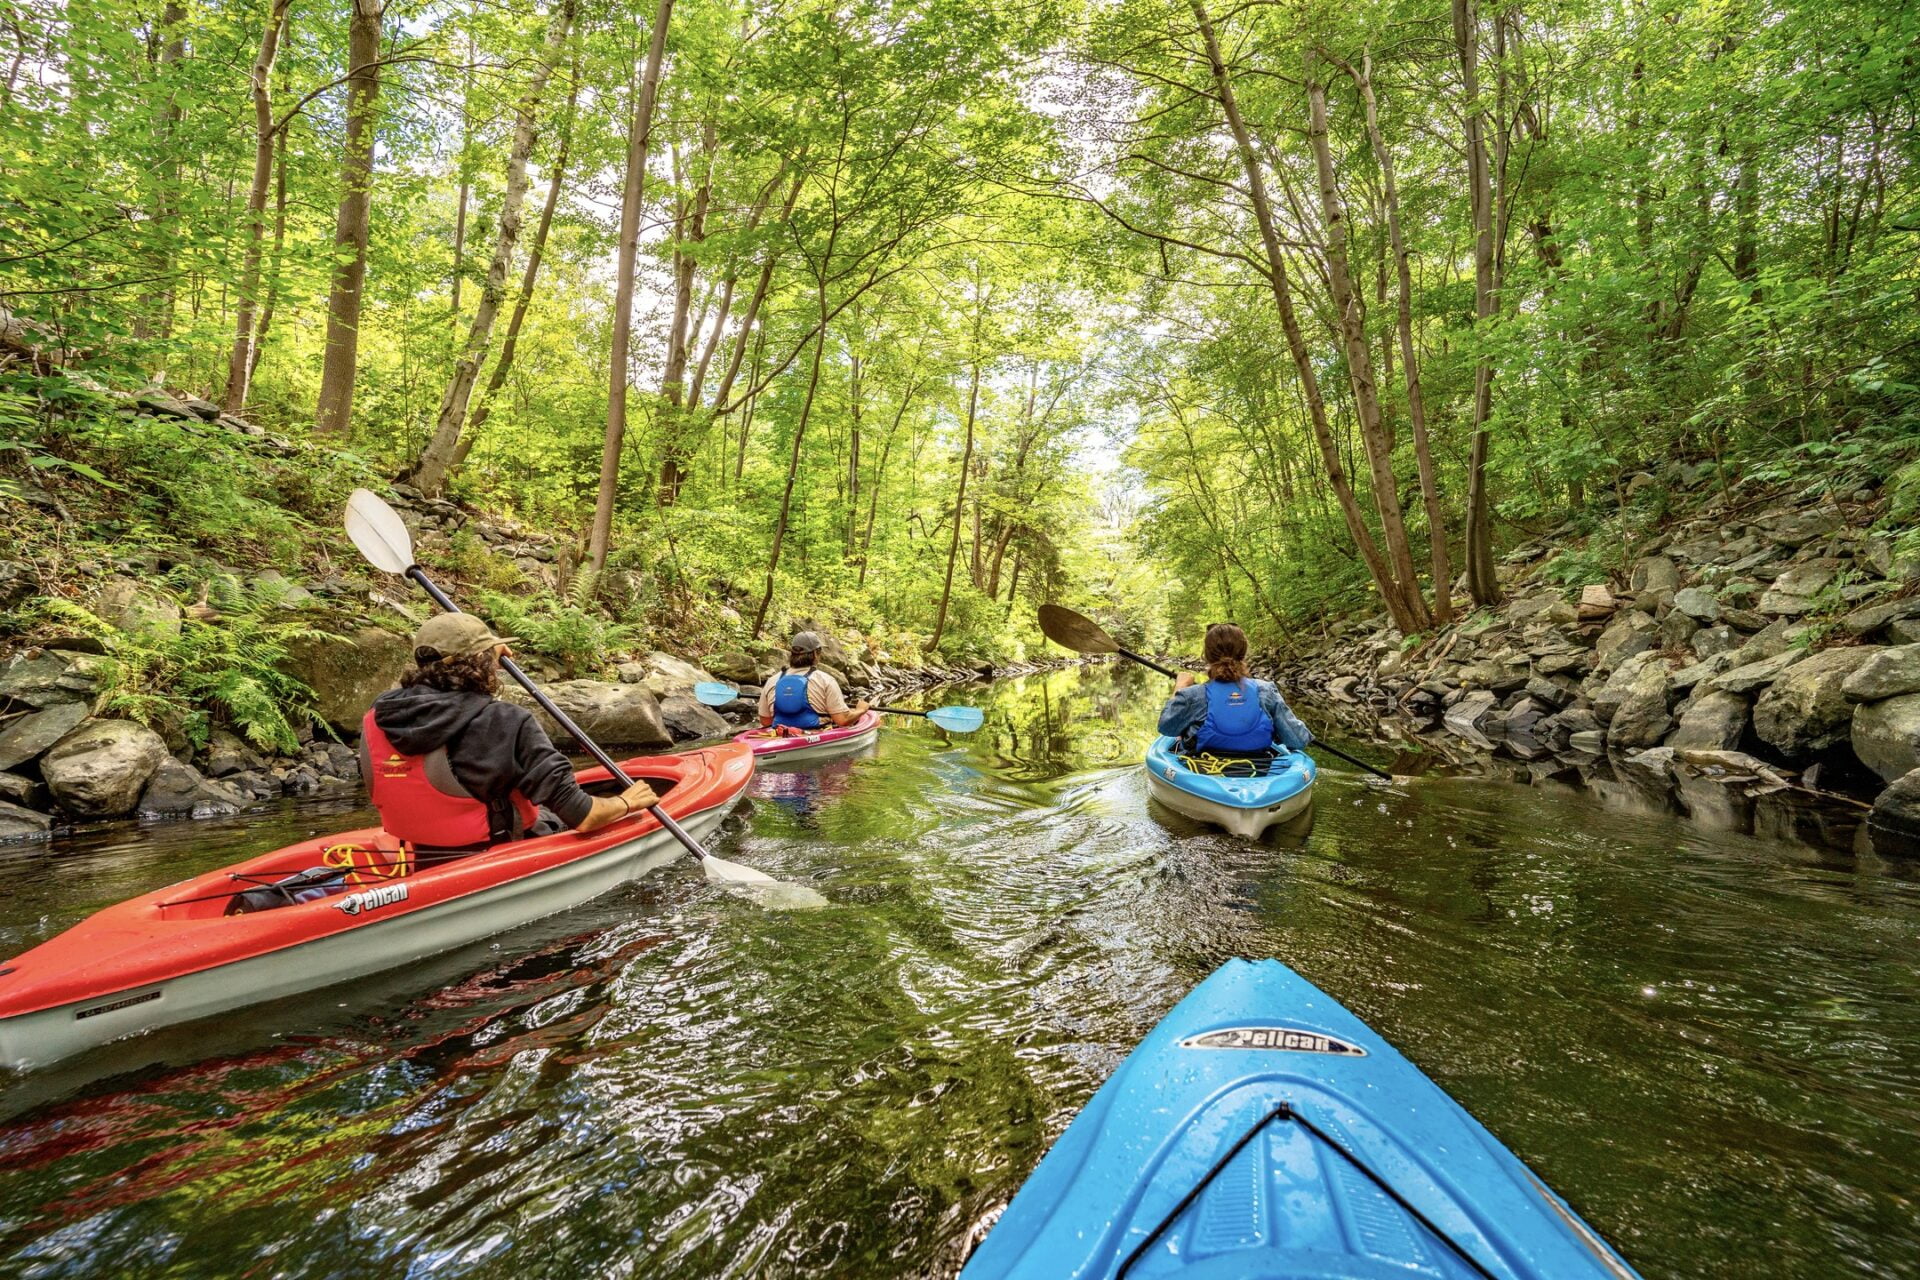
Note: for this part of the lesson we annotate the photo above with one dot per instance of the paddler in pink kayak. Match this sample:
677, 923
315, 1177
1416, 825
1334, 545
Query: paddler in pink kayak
803, 697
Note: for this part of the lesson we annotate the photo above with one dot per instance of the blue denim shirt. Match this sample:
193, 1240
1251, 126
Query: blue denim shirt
1188, 707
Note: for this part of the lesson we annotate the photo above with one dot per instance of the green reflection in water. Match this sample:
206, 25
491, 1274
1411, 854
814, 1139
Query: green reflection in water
1710, 1043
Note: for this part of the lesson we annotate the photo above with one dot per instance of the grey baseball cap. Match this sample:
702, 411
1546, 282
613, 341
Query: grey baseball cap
455, 635
805, 642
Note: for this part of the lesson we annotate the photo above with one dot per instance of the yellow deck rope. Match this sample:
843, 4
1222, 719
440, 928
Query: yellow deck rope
1226, 766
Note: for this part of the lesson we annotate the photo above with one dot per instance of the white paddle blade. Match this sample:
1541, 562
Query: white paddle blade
779, 895
377, 530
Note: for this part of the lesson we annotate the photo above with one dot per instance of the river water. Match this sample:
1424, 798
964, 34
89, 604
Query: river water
1708, 1042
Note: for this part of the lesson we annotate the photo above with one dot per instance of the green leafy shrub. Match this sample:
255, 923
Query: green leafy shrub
578, 639
229, 670
1576, 566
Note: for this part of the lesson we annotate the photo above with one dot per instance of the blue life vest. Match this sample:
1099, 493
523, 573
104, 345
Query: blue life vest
1235, 720
790, 705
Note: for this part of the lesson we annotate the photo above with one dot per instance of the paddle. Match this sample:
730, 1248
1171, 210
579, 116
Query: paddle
1076, 631
712, 693
376, 529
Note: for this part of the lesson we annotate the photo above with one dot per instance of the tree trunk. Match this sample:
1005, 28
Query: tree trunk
637, 139
156, 318
853, 449
240, 360
746, 413
959, 503
793, 467
879, 474
436, 461
1397, 607
753, 308
1481, 579
1442, 563
277, 258
673, 382
352, 224
1351, 316
510, 345
466, 181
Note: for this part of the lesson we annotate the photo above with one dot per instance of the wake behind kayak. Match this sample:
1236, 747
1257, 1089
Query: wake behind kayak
1263, 1132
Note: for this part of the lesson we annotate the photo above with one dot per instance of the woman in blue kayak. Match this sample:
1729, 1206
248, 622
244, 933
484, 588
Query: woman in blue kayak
1232, 714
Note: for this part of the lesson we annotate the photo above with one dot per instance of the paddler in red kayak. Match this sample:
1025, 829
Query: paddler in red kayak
803, 697
452, 769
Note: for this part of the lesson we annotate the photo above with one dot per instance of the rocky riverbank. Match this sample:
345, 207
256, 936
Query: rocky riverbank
61, 765
1755, 647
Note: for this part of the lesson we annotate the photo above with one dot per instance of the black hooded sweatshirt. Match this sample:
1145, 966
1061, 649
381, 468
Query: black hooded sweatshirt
494, 748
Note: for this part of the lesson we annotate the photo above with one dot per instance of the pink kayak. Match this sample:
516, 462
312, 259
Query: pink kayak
799, 746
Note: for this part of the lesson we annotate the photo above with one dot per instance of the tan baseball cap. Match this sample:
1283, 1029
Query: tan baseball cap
455, 635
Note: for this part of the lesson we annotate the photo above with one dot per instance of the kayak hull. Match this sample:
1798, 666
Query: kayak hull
171, 956
806, 748
1247, 807
1216, 1151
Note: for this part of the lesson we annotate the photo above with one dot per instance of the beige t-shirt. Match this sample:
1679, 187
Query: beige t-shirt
823, 695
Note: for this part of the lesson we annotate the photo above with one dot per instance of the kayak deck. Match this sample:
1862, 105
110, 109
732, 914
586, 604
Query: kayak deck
792, 746
1263, 1132
1246, 806
174, 954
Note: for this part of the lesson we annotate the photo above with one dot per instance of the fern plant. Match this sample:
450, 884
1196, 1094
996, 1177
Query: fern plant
231, 670
578, 639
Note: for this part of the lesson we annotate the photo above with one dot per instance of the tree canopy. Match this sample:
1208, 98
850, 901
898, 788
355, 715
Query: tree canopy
936, 309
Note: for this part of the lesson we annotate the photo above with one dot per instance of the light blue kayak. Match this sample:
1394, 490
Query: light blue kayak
1263, 1132
1244, 806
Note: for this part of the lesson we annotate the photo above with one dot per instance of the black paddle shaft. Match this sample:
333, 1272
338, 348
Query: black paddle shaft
560, 717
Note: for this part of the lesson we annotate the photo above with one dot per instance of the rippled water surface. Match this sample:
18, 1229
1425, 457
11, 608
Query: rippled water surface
1708, 1042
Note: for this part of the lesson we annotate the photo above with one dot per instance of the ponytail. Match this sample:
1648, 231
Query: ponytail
1226, 652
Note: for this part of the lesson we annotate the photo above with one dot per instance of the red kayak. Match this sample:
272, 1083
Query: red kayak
176, 954
796, 746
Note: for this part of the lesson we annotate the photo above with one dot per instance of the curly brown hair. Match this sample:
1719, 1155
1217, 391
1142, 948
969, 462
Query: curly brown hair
1226, 652
464, 673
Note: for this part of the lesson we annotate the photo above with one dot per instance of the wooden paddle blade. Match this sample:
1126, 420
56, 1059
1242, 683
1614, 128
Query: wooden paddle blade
958, 719
711, 693
379, 533
1074, 631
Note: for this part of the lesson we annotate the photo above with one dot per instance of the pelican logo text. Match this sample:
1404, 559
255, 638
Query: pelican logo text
1286, 1039
372, 899
396, 766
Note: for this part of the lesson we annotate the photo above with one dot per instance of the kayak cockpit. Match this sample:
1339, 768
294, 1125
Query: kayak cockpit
357, 859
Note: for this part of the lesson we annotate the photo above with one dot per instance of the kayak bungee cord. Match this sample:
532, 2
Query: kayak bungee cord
1287, 1111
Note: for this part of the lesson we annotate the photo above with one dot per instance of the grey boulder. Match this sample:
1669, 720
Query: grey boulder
1888, 674
178, 790
18, 824
1886, 735
1714, 721
29, 735
1805, 710
626, 715
687, 719
100, 769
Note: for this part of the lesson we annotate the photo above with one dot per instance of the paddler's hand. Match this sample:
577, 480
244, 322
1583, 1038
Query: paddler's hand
861, 707
610, 809
1184, 680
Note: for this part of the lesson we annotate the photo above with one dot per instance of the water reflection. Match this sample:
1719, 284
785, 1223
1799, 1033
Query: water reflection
1709, 1041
